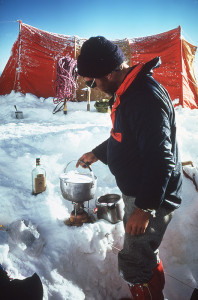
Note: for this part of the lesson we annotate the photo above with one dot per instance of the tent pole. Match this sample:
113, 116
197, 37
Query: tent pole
88, 98
74, 47
65, 107
129, 47
75, 59
182, 92
18, 70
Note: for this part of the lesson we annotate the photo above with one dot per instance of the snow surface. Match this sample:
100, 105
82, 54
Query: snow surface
78, 263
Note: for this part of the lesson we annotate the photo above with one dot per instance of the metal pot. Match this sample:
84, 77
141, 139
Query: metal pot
19, 114
110, 207
78, 187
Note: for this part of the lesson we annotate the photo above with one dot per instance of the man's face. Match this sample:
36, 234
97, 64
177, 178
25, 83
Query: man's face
104, 84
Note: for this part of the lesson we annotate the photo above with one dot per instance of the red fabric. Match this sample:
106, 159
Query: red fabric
140, 292
153, 289
32, 65
123, 87
157, 282
174, 73
190, 87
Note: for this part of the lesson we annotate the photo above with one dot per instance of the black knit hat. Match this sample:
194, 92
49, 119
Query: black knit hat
99, 57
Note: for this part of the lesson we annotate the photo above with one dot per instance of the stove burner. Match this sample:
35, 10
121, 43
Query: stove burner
78, 216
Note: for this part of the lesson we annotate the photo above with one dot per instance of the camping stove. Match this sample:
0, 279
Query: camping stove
79, 215
78, 188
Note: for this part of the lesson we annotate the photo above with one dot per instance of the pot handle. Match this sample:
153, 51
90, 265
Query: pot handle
92, 174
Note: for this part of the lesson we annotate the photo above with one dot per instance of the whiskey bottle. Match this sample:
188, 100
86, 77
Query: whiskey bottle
38, 178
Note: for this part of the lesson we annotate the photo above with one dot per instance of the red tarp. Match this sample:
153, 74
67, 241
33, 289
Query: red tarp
32, 65
176, 72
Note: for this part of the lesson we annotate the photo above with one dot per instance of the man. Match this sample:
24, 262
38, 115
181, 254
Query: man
141, 153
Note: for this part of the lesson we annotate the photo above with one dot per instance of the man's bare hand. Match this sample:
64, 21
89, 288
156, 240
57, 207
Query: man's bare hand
138, 222
88, 158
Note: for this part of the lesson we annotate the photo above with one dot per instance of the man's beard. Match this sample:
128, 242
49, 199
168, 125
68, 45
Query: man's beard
110, 89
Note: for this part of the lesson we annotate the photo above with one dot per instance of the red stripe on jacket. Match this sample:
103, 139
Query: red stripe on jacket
123, 87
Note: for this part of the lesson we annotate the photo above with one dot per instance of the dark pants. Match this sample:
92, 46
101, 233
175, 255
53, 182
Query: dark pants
140, 254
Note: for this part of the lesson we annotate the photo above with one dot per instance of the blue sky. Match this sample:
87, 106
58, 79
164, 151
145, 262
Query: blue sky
113, 19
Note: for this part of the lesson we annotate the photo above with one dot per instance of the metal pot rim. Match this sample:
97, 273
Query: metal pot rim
102, 202
65, 178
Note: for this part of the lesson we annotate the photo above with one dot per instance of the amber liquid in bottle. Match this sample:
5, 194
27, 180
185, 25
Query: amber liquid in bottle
38, 178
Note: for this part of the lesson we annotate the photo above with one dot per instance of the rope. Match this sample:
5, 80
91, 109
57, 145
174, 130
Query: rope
66, 79
180, 281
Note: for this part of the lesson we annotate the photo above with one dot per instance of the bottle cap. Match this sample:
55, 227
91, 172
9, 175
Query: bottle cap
37, 160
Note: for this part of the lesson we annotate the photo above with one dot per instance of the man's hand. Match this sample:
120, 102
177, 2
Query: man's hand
138, 222
88, 158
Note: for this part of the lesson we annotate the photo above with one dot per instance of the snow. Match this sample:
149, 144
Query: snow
77, 263
76, 177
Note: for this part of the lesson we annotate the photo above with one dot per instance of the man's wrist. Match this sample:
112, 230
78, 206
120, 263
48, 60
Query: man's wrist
151, 211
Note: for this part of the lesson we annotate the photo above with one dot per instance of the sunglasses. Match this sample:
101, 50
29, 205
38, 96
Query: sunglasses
91, 83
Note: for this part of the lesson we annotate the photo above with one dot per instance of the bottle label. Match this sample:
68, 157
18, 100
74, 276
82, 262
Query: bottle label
39, 183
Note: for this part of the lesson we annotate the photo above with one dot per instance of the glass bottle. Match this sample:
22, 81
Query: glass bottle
38, 178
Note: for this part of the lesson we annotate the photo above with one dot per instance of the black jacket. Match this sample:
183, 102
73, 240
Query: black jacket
145, 163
